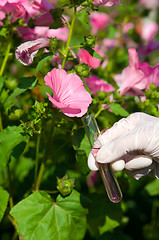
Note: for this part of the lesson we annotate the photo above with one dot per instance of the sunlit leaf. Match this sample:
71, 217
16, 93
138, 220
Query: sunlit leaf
10, 138
39, 217
118, 110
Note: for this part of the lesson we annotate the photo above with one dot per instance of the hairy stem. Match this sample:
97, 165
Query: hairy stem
40, 175
69, 39
5, 59
42, 167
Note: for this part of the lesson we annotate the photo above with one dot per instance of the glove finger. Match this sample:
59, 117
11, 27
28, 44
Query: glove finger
92, 164
122, 126
137, 174
118, 165
134, 162
132, 141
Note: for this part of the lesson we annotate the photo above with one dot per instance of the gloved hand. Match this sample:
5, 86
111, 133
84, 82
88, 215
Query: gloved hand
133, 144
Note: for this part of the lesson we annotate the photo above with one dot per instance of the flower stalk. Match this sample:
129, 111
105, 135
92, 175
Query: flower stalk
5, 59
69, 39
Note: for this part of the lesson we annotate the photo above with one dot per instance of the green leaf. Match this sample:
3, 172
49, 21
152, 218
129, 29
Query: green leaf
47, 57
106, 218
118, 109
25, 84
83, 17
82, 146
96, 55
153, 188
4, 196
38, 217
10, 138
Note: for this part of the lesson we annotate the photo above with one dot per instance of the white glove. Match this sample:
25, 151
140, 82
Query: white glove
133, 144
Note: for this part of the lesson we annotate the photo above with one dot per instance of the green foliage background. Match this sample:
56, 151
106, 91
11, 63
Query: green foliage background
31, 131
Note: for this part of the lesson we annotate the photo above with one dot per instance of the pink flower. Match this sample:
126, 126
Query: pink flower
107, 3
26, 52
85, 57
18, 12
69, 94
136, 76
98, 21
95, 85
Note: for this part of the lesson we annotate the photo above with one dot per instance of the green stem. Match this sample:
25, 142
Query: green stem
78, 46
37, 158
5, 59
99, 111
40, 175
69, 39
10, 188
42, 167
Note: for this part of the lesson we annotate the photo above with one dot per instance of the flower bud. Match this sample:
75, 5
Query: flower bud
65, 185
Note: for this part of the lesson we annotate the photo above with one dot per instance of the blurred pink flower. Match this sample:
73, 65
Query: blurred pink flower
24, 9
2, 16
36, 7
27, 33
98, 21
26, 52
92, 178
127, 27
144, 50
44, 20
150, 4
56, 60
155, 76
69, 94
149, 30
85, 57
107, 3
136, 76
95, 85
4, 2
61, 33
107, 44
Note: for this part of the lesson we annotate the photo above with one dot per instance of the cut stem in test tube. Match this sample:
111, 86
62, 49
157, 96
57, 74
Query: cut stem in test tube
109, 179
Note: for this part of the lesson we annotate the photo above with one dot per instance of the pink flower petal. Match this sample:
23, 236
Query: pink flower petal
85, 57
69, 93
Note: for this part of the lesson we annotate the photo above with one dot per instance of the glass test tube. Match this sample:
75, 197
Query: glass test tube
109, 179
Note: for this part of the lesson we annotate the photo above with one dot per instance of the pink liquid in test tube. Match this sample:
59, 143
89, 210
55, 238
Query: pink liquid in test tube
109, 179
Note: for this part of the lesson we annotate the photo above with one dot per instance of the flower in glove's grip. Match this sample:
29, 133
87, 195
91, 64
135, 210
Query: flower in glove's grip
133, 144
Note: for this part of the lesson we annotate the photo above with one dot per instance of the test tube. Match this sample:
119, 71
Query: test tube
108, 176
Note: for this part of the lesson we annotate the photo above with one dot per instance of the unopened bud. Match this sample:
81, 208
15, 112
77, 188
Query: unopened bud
65, 185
